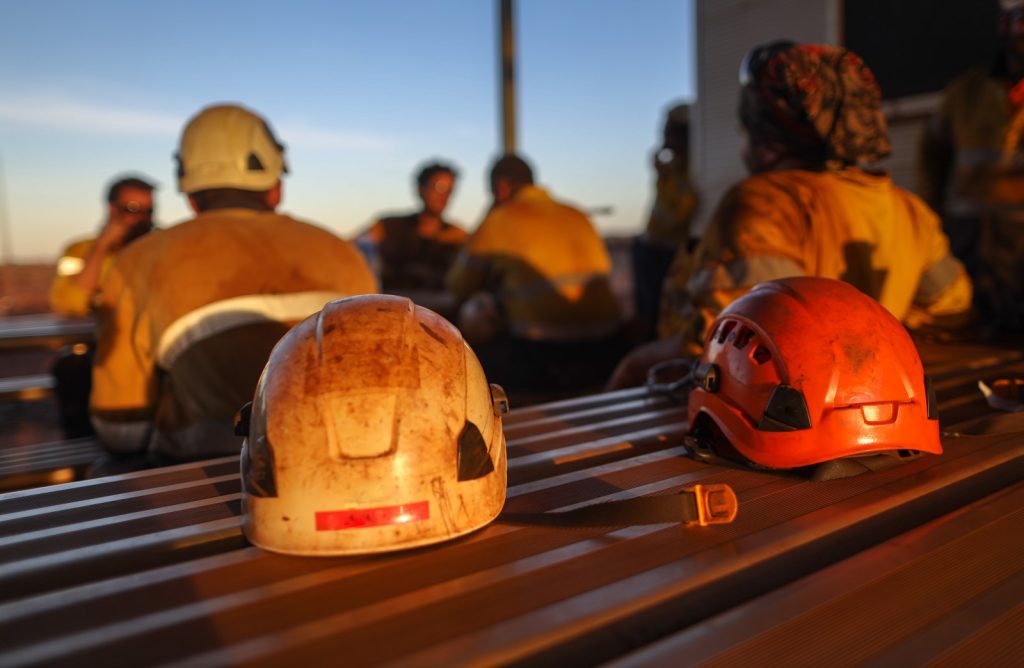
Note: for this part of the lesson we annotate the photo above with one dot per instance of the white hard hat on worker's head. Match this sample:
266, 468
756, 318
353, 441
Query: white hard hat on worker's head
372, 429
229, 146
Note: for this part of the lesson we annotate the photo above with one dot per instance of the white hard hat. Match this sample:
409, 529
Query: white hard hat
372, 429
228, 146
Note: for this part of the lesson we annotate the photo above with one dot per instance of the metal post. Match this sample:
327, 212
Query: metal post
508, 78
7, 253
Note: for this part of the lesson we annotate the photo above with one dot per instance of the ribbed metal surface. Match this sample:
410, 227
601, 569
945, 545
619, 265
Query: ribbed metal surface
44, 330
951, 591
151, 568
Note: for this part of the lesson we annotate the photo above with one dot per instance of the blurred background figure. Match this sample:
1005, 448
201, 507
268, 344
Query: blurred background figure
813, 125
971, 168
83, 263
80, 272
534, 282
188, 316
668, 227
414, 251
962, 146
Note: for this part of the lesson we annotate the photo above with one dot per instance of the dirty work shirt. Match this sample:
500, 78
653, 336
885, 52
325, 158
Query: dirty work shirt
545, 264
962, 144
846, 224
66, 296
187, 318
412, 256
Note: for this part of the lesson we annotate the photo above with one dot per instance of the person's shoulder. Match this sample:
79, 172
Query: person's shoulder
786, 181
78, 247
972, 82
452, 232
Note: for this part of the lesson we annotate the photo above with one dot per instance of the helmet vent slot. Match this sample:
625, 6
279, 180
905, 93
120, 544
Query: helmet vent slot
743, 337
727, 327
255, 164
474, 460
786, 411
761, 354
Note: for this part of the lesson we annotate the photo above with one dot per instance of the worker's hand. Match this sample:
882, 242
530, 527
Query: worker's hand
118, 229
632, 370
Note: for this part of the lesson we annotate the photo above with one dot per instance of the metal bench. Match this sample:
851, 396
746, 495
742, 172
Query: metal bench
152, 568
27, 388
46, 463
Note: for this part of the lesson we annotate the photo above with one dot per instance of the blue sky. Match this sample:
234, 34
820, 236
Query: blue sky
361, 92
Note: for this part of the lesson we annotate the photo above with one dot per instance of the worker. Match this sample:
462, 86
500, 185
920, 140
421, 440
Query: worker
534, 281
962, 144
188, 315
415, 250
83, 263
813, 125
668, 226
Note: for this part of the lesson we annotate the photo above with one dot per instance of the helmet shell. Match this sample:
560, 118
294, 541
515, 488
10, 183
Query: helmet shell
373, 428
229, 146
811, 369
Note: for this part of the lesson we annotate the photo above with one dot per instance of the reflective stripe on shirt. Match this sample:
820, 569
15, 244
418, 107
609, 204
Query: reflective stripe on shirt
226, 314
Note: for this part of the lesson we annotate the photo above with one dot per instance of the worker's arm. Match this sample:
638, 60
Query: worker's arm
471, 269
123, 400
66, 295
755, 235
944, 291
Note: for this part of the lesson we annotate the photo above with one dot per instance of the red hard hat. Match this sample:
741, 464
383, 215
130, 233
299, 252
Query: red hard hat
801, 371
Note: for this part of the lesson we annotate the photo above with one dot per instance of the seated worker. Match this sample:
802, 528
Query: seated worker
83, 263
812, 120
535, 283
189, 314
417, 249
668, 227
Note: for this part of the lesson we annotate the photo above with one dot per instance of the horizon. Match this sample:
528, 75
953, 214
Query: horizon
361, 95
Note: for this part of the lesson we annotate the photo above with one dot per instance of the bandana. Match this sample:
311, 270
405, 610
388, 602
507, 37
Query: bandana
819, 103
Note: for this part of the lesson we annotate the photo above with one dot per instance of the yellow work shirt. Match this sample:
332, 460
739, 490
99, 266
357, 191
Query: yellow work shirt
187, 317
66, 295
675, 202
848, 224
545, 264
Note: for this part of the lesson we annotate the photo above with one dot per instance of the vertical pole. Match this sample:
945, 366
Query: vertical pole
5, 223
7, 252
508, 78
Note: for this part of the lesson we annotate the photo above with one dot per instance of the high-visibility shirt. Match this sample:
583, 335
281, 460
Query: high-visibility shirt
187, 317
546, 265
675, 202
66, 295
962, 144
848, 224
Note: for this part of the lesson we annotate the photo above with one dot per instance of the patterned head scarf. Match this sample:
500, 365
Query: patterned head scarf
817, 103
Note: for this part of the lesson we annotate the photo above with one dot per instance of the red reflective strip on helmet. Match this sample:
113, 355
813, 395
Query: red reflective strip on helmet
362, 518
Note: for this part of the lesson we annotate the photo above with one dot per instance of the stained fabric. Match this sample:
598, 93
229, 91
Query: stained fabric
847, 224
821, 103
159, 280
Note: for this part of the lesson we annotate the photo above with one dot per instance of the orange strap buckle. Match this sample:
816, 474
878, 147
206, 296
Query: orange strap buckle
716, 504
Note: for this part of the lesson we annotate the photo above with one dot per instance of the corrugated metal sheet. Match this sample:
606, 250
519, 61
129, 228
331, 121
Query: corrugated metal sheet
151, 568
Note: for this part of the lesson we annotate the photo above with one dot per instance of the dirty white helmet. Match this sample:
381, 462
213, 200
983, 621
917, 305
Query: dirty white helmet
228, 146
372, 429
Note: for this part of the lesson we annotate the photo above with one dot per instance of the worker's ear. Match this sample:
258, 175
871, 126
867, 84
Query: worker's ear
273, 196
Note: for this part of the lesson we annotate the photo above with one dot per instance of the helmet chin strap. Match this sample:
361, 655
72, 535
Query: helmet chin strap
699, 505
